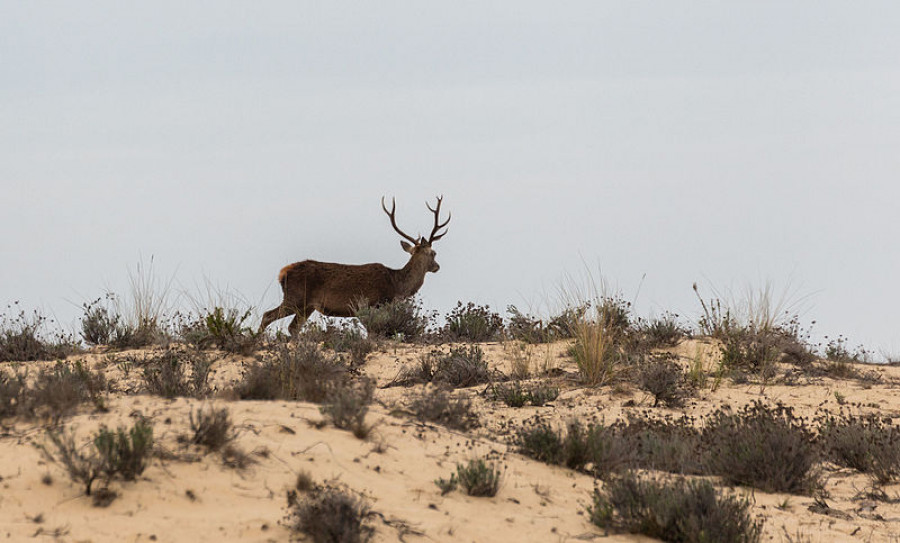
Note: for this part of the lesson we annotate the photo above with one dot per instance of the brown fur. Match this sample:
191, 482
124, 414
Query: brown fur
336, 290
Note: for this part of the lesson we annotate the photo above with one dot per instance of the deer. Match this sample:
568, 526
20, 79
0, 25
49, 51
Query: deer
336, 290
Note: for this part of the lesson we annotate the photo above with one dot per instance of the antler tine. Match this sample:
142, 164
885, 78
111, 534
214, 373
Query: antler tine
437, 226
394, 221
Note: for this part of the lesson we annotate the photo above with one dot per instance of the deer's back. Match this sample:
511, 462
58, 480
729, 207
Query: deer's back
333, 288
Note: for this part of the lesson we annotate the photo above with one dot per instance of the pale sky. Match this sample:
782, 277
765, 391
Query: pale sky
655, 144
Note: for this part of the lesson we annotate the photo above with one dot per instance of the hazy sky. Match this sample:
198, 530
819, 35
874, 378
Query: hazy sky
726, 143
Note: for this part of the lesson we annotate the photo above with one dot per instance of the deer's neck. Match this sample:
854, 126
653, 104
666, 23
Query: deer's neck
409, 278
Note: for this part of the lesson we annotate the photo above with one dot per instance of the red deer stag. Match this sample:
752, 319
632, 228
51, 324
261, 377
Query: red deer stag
336, 289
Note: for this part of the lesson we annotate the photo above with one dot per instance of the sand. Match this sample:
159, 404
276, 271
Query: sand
188, 495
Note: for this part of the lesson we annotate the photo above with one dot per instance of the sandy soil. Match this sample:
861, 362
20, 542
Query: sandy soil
186, 495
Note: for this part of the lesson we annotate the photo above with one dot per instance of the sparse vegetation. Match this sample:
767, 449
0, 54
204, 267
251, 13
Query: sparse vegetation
517, 395
865, 443
674, 511
441, 408
479, 478
474, 323
24, 338
212, 428
165, 373
764, 447
293, 372
348, 340
461, 367
346, 406
402, 318
329, 515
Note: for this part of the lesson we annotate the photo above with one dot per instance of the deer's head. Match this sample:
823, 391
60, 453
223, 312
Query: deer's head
420, 249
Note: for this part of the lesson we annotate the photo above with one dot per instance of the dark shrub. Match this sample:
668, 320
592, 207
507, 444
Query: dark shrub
332, 516
461, 367
58, 390
664, 378
22, 339
212, 429
664, 331
292, 372
596, 448
682, 511
165, 374
517, 395
479, 478
441, 408
401, 318
763, 447
864, 443
124, 452
347, 407
349, 340
13, 391
471, 322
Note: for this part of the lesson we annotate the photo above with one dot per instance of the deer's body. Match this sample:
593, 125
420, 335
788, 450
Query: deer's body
336, 290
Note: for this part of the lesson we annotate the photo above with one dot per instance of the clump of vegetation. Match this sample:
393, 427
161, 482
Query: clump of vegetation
23, 338
58, 390
329, 515
165, 374
441, 408
121, 453
865, 443
12, 393
212, 429
402, 318
463, 366
474, 323
603, 340
662, 331
601, 447
298, 372
662, 377
664, 444
347, 407
447, 485
479, 478
764, 447
516, 395
674, 511
221, 328
349, 340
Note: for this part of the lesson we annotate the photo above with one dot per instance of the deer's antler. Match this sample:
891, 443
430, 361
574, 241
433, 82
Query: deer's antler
437, 226
394, 221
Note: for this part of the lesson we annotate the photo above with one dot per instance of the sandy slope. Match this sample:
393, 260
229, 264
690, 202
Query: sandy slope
195, 497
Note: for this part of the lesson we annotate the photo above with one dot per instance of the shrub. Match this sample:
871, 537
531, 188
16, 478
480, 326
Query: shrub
347, 407
212, 429
350, 340
763, 447
597, 449
515, 395
526, 328
472, 322
223, 329
662, 377
164, 374
864, 443
676, 511
663, 331
329, 515
115, 453
400, 318
22, 339
441, 408
300, 373
461, 367
479, 478
664, 444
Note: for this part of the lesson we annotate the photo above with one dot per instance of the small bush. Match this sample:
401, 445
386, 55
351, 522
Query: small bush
662, 377
864, 443
447, 485
22, 339
212, 429
461, 367
330, 515
121, 453
401, 318
124, 453
472, 322
664, 444
350, 340
288, 372
515, 395
441, 408
676, 511
165, 374
479, 478
664, 331
60, 389
763, 447
224, 329
597, 449
347, 407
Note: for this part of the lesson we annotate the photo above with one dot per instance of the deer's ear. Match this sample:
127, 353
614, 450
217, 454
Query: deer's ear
406, 246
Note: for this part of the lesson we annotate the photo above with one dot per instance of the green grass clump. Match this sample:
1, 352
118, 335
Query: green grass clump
479, 478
